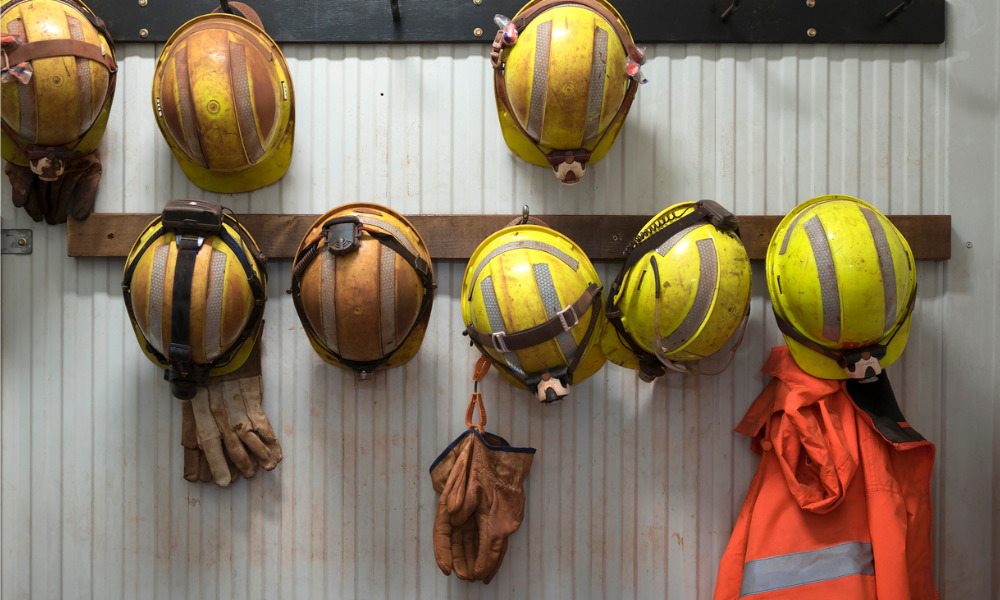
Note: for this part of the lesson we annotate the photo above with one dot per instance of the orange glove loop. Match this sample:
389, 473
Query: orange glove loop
482, 367
477, 401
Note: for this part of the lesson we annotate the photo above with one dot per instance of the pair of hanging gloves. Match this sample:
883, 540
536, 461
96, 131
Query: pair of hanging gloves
480, 477
224, 430
72, 193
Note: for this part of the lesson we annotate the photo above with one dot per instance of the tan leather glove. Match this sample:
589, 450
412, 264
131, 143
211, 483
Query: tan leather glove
72, 194
494, 497
470, 533
224, 430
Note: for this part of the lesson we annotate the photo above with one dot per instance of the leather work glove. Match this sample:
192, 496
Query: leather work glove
72, 194
224, 430
480, 478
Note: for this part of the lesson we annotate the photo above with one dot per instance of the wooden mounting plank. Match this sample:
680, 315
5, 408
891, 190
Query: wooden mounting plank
455, 237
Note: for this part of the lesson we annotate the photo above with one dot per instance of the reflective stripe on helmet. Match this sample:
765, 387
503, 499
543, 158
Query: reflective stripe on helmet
156, 286
695, 317
392, 230
885, 265
213, 305
84, 92
550, 300
328, 294
243, 102
495, 318
788, 232
387, 298
26, 129
539, 80
671, 241
827, 274
185, 106
595, 92
523, 245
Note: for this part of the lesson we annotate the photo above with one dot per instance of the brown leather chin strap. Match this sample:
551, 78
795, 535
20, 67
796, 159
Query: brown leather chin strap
568, 165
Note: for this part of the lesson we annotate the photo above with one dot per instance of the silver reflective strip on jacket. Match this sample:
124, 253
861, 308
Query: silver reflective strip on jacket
802, 568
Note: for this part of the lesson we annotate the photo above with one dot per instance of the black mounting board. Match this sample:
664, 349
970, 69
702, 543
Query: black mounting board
651, 21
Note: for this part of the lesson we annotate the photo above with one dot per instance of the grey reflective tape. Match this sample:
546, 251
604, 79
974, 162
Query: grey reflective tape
523, 245
157, 282
244, 103
539, 80
788, 232
885, 265
827, 273
671, 241
213, 305
327, 291
83, 86
185, 106
26, 128
496, 321
802, 568
708, 277
387, 298
550, 300
391, 230
595, 87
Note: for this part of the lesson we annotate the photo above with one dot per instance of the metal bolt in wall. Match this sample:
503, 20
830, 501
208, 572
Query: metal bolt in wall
143, 2
810, 3
811, 32
478, 32
143, 32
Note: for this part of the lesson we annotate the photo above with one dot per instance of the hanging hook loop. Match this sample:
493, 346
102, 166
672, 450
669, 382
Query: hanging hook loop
729, 11
892, 14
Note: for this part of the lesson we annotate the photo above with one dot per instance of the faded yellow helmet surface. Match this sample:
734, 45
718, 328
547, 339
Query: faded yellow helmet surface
529, 277
59, 106
561, 83
683, 297
223, 100
842, 281
213, 299
363, 287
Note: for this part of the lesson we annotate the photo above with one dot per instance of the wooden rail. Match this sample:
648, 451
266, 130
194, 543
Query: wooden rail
455, 237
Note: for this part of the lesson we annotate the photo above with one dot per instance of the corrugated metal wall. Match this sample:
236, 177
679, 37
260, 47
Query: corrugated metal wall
635, 487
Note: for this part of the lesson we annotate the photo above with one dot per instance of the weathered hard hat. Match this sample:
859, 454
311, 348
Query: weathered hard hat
363, 286
223, 100
565, 76
842, 282
532, 304
682, 295
58, 83
194, 288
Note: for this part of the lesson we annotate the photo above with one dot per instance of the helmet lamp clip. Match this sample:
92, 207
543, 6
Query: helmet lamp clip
192, 217
343, 235
550, 386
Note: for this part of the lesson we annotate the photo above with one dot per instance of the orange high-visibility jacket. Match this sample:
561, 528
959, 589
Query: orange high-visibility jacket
840, 505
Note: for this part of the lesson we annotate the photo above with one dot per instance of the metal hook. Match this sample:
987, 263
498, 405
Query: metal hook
225, 7
894, 12
524, 215
395, 9
732, 8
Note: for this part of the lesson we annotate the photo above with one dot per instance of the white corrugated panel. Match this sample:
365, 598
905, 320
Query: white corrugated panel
635, 487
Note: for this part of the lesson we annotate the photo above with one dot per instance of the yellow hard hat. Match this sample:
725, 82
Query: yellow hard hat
842, 282
223, 100
363, 286
59, 82
565, 76
531, 302
195, 288
682, 295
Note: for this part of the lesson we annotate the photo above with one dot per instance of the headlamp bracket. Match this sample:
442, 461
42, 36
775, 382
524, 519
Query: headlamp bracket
343, 235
